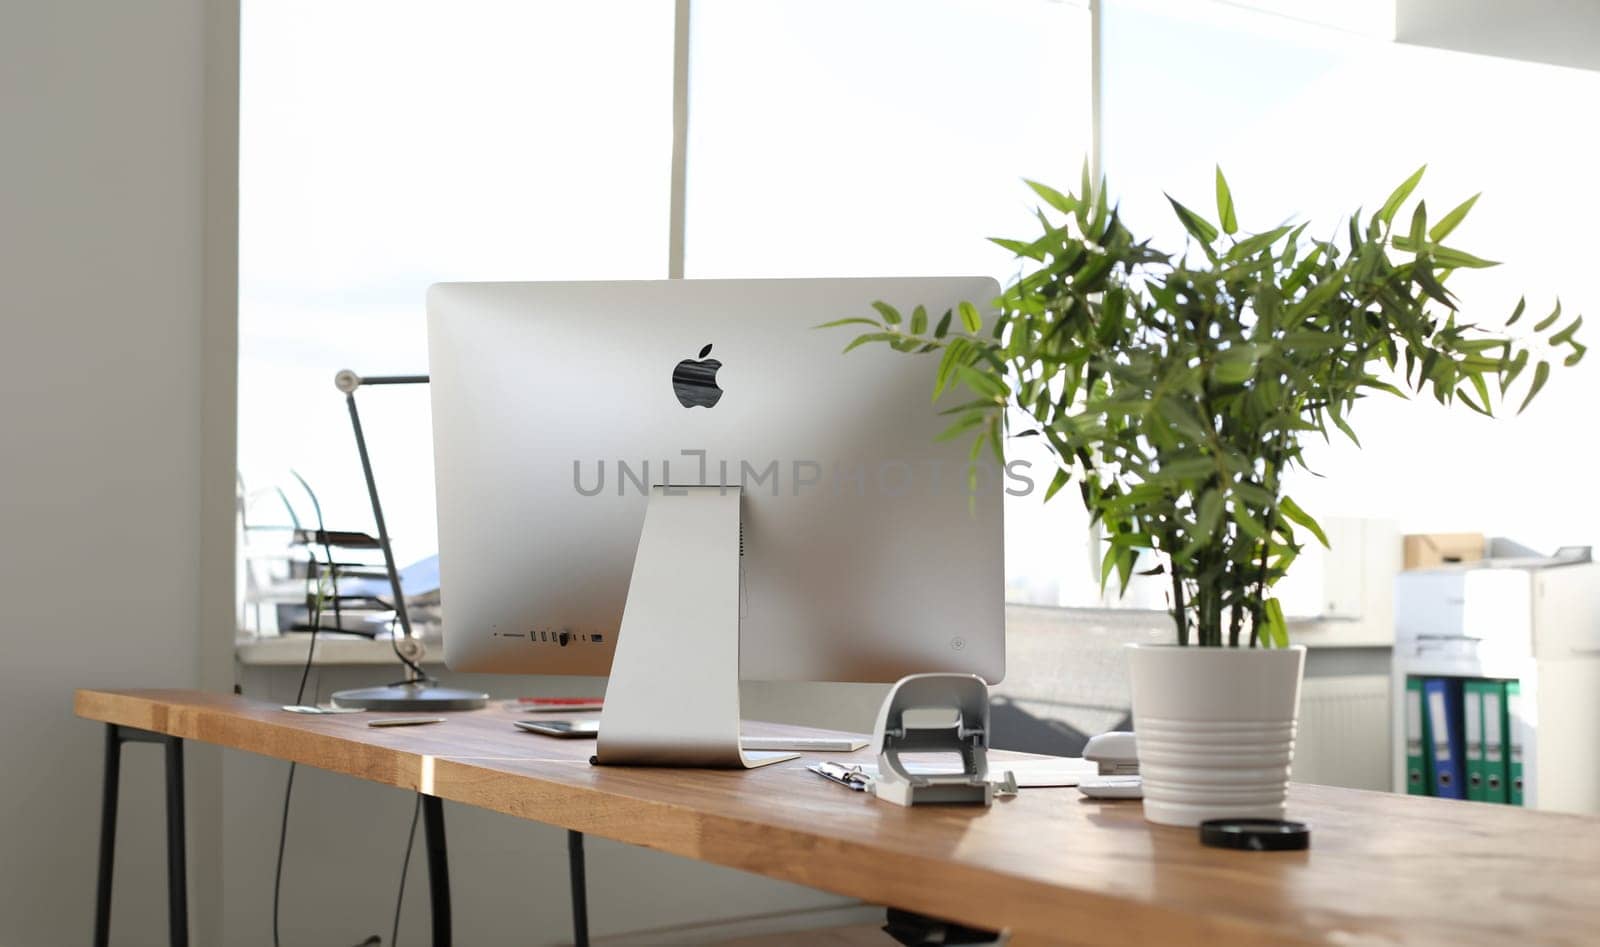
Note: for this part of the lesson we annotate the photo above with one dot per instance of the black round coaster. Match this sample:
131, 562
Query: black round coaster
1256, 835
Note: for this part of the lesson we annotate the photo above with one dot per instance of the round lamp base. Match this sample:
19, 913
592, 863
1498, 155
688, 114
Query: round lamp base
414, 695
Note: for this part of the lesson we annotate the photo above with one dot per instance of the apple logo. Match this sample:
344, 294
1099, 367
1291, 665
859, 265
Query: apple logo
695, 382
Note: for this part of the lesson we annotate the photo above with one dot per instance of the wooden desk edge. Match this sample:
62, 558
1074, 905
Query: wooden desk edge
147, 711
931, 885
1030, 910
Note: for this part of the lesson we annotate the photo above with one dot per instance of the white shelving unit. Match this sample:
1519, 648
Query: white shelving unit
1537, 623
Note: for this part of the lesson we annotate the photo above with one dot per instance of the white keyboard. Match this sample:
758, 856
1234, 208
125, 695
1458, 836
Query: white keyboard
803, 744
1031, 772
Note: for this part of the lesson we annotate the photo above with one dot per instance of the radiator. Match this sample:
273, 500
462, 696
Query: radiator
1343, 738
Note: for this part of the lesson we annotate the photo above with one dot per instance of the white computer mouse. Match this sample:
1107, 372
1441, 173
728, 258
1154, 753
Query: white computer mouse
1112, 787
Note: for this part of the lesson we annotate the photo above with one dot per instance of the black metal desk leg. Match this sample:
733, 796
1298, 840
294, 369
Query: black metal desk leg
438, 869
580, 891
108, 837
177, 852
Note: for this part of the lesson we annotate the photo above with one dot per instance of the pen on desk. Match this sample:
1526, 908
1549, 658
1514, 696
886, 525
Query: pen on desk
403, 721
850, 777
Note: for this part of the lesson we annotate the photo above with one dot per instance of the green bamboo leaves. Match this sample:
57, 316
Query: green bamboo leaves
1387, 211
1225, 213
1176, 395
1199, 228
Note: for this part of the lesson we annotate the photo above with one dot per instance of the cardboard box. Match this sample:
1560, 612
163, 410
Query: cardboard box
1432, 550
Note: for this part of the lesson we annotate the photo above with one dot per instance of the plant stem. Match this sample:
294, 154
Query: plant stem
1213, 619
1179, 614
1272, 482
1256, 613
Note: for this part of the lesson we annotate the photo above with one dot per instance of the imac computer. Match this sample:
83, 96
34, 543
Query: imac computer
684, 483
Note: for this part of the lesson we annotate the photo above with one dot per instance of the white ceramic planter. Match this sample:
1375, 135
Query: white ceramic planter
1216, 730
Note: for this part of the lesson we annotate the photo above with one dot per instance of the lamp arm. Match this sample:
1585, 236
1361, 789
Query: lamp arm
348, 381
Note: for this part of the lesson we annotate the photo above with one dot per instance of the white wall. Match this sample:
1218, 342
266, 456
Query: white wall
102, 201
1561, 32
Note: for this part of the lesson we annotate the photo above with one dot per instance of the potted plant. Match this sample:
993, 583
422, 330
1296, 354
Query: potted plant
1176, 391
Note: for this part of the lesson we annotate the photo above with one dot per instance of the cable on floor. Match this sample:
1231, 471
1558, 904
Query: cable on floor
288, 788
405, 864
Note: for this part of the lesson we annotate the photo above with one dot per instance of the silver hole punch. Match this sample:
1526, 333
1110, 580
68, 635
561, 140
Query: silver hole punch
967, 736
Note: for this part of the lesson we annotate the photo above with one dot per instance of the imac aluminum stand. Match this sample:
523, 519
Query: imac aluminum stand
673, 699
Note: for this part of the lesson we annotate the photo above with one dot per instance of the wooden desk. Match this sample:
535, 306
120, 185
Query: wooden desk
1048, 865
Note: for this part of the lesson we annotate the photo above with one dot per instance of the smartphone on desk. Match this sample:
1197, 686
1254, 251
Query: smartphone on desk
564, 729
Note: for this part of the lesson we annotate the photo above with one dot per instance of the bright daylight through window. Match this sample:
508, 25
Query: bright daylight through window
386, 147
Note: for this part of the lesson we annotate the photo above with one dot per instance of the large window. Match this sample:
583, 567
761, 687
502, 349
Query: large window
387, 145
889, 139
1313, 122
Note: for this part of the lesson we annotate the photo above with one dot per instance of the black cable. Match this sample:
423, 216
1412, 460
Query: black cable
327, 547
283, 835
299, 697
288, 788
311, 649
305, 673
333, 575
405, 865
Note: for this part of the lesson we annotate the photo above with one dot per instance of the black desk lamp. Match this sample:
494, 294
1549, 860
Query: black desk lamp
417, 691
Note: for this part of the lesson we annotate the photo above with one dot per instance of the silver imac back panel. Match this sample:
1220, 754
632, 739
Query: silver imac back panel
557, 407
